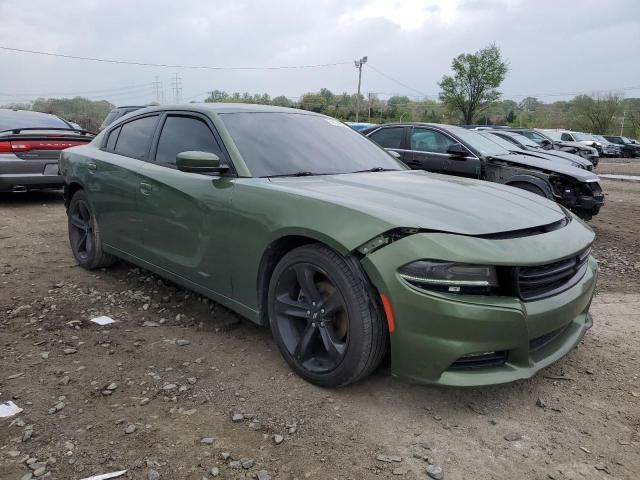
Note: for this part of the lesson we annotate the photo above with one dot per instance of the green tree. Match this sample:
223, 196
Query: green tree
475, 82
312, 101
86, 113
281, 101
217, 96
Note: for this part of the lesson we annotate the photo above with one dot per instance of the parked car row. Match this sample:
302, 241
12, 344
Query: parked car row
295, 221
498, 156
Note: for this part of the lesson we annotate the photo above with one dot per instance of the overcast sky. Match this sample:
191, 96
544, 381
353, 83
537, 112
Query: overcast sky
553, 46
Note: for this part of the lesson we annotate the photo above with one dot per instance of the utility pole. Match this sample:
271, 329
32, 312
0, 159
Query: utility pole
176, 85
359, 64
369, 107
624, 114
157, 85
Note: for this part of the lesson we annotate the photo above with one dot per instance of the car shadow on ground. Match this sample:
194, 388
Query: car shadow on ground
31, 198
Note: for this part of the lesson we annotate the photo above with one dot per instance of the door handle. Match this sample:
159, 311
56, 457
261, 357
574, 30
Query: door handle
146, 188
92, 168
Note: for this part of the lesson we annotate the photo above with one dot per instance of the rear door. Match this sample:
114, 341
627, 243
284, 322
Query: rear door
113, 182
392, 138
185, 216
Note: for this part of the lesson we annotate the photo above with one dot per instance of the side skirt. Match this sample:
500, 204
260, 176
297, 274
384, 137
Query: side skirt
240, 308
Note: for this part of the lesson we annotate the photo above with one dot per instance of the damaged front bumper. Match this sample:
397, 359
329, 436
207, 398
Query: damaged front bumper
469, 340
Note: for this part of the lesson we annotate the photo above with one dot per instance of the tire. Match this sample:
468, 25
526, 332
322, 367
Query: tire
84, 234
325, 317
529, 188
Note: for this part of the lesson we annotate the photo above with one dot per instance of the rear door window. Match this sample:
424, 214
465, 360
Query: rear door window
135, 137
388, 137
182, 134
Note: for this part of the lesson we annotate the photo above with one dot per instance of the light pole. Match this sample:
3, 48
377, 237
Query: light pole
624, 114
359, 64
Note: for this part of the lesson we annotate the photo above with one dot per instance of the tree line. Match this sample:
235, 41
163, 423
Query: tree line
469, 95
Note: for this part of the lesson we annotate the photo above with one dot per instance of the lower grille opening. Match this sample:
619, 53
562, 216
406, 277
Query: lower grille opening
539, 342
479, 360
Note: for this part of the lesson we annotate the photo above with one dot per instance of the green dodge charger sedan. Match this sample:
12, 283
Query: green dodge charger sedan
295, 221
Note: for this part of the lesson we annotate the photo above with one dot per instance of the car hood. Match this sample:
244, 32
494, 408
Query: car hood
570, 157
550, 164
418, 199
578, 145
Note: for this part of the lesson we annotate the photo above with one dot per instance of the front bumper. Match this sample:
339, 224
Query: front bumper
433, 331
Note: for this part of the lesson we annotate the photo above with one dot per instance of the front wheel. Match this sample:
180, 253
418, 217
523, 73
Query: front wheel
325, 317
84, 234
529, 187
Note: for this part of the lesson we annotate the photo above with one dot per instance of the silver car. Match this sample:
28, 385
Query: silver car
30, 144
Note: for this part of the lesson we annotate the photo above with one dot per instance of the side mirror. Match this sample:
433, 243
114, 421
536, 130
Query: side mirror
546, 144
457, 151
394, 154
199, 162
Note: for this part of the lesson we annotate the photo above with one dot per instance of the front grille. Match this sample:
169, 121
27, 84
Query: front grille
479, 360
542, 281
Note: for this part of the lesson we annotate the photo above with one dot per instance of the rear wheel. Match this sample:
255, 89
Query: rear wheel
325, 317
84, 234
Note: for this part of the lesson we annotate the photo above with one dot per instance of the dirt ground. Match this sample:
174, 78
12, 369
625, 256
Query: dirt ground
159, 400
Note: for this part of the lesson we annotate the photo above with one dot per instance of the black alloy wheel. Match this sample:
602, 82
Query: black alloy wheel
81, 229
84, 234
311, 317
325, 316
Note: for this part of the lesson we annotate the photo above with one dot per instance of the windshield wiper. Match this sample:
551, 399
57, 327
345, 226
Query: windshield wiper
296, 174
376, 169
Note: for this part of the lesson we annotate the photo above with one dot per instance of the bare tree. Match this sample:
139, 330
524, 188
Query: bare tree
596, 115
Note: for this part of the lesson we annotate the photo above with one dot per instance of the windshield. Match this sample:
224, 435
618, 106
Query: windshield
507, 145
601, 139
291, 143
479, 143
581, 137
10, 119
553, 135
526, 141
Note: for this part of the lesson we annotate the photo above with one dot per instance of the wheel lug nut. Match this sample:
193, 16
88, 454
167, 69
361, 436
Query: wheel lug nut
308, 312
322, 310
313, 324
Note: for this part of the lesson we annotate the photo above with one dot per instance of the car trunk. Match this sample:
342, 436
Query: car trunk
40, 145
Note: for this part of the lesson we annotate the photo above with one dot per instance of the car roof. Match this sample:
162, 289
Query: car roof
229, 108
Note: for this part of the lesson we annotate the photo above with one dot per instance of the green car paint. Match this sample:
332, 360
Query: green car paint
216, 234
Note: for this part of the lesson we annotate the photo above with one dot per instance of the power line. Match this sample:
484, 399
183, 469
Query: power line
163, 65
102, 91
398, 81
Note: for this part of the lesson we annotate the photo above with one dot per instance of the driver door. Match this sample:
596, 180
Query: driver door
428, 151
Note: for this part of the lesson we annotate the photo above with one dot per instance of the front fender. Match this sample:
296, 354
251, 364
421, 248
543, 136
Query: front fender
533, 180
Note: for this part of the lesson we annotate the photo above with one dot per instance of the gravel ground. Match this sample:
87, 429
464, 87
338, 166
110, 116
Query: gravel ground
179, 388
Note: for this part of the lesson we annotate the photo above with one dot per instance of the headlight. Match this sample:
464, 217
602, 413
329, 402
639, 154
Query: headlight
450, 277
